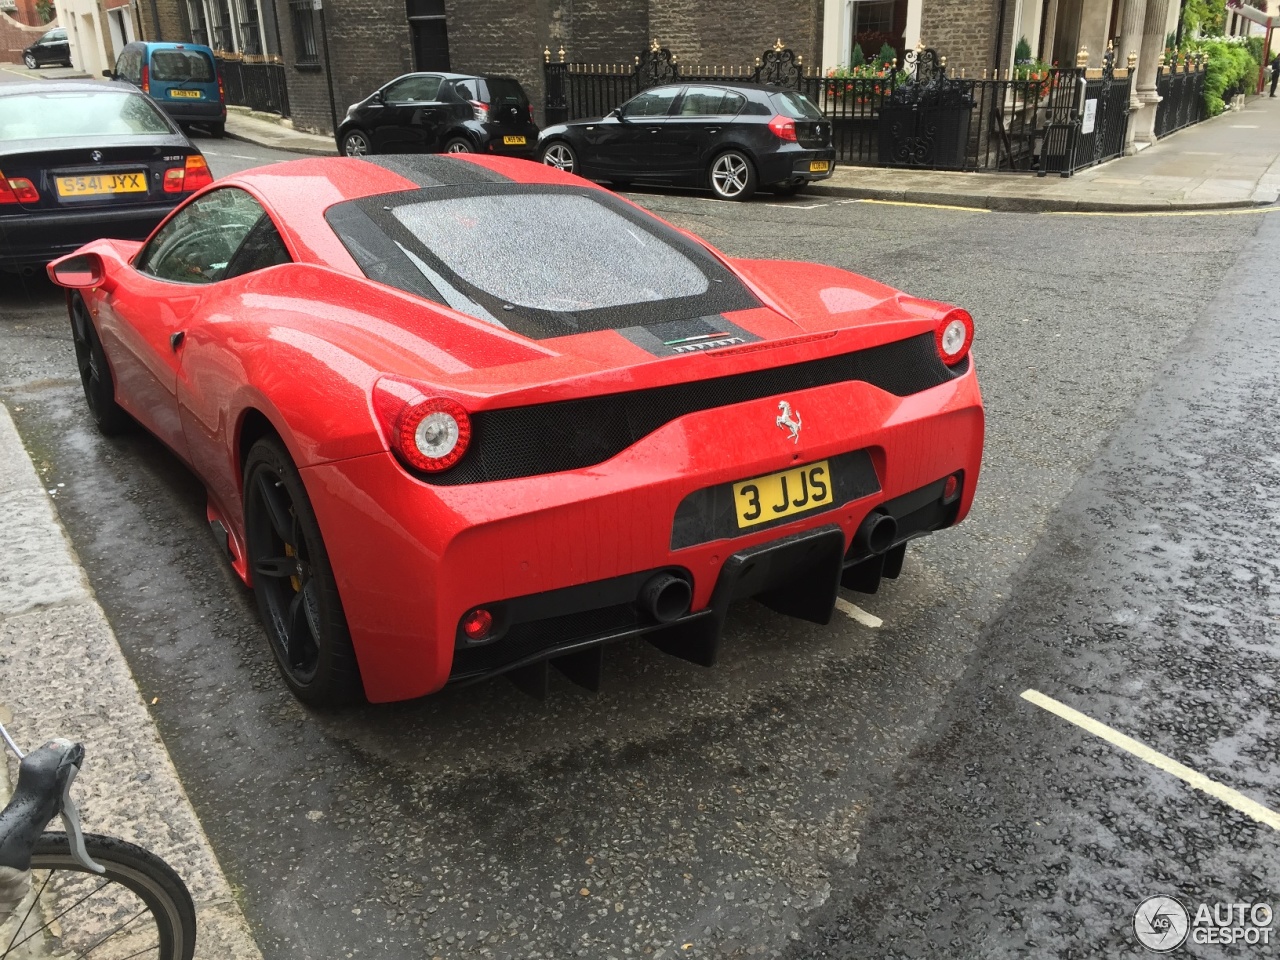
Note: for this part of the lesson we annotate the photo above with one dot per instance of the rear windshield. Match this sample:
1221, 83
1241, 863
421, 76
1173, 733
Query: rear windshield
505, 92
796, 106
35, 116
543, 262
177, 65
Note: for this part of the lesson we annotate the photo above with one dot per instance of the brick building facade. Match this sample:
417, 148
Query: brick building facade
16, 36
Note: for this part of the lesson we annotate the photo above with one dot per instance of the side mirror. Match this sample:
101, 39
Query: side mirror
109, 74
79, 271
377, 97
616, 113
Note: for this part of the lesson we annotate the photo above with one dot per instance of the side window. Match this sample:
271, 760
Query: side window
731, 103
702, 102
466, 89
262, 248
412, 90
651, 103
197, 245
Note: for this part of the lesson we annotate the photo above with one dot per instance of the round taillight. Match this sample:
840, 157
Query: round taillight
954, 336
433, 434
951, 488
477, 624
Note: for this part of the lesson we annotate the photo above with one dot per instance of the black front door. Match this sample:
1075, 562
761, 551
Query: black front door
429, 33
411, 116
631, 145
698, 125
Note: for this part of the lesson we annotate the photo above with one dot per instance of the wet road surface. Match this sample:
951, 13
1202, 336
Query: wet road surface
824, 790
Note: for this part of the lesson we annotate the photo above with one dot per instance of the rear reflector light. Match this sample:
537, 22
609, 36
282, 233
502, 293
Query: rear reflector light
951, 488
17, 190
784, 128
477, 624
954, 336
479, 110
193, 175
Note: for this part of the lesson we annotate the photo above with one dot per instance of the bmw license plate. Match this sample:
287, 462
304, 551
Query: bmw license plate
513, 141
101, 183
819, 166
782, 494
187, 94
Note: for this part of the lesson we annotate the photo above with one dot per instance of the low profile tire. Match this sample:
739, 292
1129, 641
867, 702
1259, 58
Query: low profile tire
294, 583
95, 372
30, 62
217, 130
355, 143
560, 155
733, 176
459, 145
789, 188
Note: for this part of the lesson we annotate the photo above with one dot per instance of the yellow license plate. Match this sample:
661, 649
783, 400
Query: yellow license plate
782, 494
819, 166
189, 94
513, 141
102, 183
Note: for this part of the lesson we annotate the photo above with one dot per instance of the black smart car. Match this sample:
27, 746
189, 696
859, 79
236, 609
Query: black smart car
441, 113
731, 137
51, 48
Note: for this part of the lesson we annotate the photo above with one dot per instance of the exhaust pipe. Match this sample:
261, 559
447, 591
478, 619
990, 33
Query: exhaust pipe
877, 532
665, 597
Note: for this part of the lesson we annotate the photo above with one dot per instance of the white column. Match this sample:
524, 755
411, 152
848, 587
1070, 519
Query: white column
915, 12
1148, 60
1131, 35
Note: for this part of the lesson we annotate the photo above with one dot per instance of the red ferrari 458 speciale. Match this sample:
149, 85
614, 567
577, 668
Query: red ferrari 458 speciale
461, 416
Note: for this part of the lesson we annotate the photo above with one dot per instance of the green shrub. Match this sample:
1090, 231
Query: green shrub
1228, 65
887, 54
857, 58
1022, 52
45, 10
1254, 45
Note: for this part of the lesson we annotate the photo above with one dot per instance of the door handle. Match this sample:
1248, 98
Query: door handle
654, 129
175, 340
713, 129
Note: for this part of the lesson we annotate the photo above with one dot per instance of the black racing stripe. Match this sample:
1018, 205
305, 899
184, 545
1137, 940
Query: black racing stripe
427, 170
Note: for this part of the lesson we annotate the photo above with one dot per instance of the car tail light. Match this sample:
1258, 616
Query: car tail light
222, 93
784, 128
17, 190
531, 113
427, 433
480, 111
193, 175
954, 336
478, 624
146, 79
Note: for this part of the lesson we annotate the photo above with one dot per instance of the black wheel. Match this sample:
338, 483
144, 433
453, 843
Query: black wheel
95, 373
30, 62
139, 908
459, 145
560, 155
296, 591
789, 188
732, 176
355, 143
217, 130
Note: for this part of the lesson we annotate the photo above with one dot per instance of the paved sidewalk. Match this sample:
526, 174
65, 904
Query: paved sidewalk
62, 674
1230, 161
268, 132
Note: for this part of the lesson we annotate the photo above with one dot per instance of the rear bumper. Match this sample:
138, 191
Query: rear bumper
40, 237
566, 540
200, 111
795, 163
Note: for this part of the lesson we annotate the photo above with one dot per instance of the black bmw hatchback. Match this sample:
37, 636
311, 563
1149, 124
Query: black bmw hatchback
441, 113
732, 138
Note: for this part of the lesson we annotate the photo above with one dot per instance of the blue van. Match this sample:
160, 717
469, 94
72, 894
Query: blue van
182, 78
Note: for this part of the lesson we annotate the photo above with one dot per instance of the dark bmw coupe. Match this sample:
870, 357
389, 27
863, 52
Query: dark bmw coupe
79, 161
732, 137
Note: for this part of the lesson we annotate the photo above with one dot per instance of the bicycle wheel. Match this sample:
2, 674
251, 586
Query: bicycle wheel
139, 908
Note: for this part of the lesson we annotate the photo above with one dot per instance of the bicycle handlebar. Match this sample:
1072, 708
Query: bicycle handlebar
43, 792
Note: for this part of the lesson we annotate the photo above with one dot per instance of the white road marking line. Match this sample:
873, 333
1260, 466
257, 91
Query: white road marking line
1232, 798
926, 206
792, 206
855, 612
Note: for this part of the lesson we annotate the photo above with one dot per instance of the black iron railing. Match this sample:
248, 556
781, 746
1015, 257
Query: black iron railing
254, 82
1181, 90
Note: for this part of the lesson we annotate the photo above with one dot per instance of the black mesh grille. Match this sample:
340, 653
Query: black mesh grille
528, 639
571, 434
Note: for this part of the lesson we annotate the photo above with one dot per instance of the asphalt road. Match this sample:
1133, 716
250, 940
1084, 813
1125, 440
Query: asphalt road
838, 791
